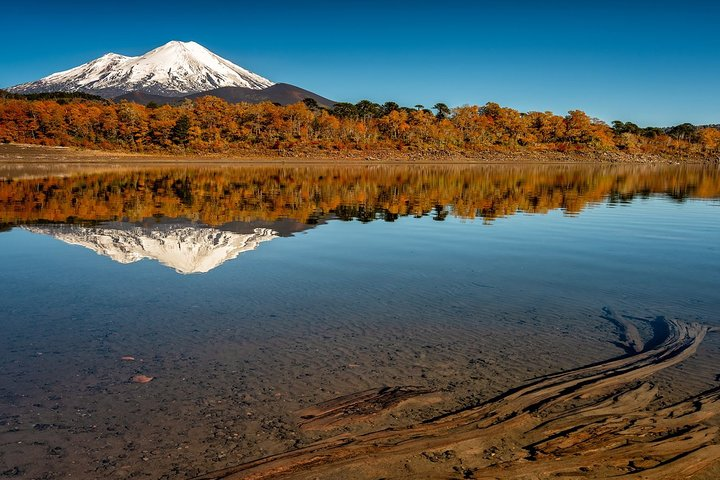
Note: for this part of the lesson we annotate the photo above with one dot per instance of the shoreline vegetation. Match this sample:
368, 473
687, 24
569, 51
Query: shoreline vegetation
211, 128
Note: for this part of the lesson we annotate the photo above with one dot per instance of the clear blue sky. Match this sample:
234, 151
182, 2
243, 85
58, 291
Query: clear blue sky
654, 63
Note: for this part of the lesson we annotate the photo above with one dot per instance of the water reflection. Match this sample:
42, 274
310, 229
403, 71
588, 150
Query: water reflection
186, 249
216, 196
194, 219
464, 309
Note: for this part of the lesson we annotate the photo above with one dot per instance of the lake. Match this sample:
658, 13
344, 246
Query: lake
249, 294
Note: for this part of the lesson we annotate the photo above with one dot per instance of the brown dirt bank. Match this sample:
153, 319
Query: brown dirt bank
23, 153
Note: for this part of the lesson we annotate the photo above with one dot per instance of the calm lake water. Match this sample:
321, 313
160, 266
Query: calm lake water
250, 293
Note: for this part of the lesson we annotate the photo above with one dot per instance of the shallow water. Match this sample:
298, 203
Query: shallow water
249, 294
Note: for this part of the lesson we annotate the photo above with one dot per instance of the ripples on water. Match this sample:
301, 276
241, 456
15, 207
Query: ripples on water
251, 293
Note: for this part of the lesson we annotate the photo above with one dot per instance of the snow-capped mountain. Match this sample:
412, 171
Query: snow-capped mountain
174, 69
186, 249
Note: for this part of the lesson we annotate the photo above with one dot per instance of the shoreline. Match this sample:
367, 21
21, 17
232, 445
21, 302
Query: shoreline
14, 153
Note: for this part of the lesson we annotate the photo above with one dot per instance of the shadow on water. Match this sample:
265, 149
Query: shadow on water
660, 332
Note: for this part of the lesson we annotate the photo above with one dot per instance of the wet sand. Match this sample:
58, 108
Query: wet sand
69, 159
597, 421
222, 396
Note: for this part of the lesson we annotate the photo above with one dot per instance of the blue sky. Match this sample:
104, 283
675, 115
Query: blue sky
654, 63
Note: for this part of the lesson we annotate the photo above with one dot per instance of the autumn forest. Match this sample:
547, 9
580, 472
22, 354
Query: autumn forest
211, 125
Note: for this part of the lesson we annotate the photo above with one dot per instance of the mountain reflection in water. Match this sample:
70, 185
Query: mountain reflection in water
123, 212
186, 249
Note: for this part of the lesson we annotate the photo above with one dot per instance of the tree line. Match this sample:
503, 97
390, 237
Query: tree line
210, 124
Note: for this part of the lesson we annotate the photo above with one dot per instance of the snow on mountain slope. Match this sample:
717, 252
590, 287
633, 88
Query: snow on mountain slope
186, 249
174, 69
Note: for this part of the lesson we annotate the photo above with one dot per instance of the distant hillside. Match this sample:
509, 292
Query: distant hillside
282, 93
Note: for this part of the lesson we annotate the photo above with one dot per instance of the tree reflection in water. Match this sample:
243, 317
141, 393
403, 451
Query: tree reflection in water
216, 196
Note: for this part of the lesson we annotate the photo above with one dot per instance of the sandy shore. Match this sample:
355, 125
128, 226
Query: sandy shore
591, 422
21, 153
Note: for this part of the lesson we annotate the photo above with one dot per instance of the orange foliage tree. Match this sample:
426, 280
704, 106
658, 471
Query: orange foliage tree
209, 124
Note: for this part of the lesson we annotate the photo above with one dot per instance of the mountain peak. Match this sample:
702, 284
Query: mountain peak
179, 43
178, 46
173, 69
